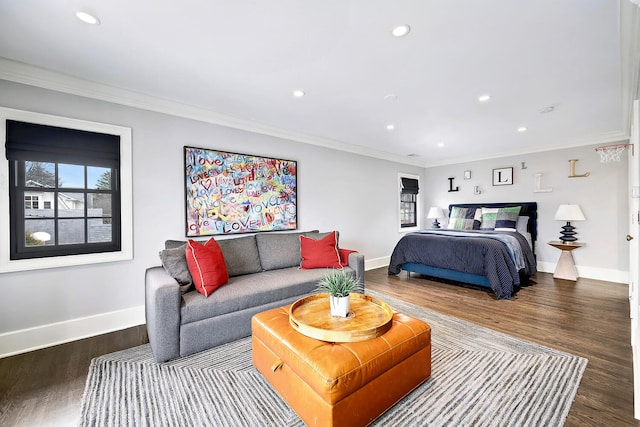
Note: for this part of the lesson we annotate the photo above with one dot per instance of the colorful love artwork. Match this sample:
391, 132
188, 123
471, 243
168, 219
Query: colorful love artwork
229, 193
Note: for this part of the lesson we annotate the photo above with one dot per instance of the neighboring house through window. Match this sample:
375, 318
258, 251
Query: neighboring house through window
67, 190
31, 202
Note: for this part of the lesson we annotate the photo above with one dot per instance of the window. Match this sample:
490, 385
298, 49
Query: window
31, 202
77, 172
68, 192
409, 202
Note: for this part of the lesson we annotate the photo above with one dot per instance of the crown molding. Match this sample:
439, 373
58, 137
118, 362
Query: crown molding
603, 139
18, 72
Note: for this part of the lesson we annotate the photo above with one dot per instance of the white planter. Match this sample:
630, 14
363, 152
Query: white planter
339, 306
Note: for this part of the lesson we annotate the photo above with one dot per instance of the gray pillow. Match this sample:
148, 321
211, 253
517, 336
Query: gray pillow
240, 255
281, 250
172, 244
174, 260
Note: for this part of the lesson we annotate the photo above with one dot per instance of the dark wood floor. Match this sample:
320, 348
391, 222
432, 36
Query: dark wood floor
44, 387
588, 318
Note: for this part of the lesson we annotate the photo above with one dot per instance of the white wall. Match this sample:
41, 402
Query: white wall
602, 196
336, 190
354, 194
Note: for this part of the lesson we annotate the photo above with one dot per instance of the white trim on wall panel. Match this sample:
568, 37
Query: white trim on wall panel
126, 194
605, 274
370, 264
595, 273
25, 340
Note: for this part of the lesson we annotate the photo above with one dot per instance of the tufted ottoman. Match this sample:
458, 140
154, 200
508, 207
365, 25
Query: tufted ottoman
340, 384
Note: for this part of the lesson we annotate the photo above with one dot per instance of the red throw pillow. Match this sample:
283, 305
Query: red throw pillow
321, 253
206, 265
344, 255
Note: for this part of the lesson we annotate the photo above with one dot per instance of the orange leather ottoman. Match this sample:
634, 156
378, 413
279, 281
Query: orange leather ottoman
340, 384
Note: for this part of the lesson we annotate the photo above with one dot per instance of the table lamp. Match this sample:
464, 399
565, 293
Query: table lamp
435, 213
569, 213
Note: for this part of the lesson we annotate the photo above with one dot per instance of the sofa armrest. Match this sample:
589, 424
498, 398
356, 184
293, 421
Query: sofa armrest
356, 262
162, 312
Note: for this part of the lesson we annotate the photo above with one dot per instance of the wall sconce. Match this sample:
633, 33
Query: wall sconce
435, 213
569, 213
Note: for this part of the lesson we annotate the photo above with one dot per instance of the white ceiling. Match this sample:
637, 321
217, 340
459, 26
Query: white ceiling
240, 61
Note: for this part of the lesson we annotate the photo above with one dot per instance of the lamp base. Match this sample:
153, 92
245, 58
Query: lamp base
567, 234
436, 224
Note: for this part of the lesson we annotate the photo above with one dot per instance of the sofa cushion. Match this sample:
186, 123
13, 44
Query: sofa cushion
207, 266
280, 250
252, 290
175, 262
321, 253
241, 255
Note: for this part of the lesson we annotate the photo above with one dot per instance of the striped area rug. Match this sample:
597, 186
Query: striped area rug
479, 378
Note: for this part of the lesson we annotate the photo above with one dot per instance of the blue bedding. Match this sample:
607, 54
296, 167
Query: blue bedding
501, 256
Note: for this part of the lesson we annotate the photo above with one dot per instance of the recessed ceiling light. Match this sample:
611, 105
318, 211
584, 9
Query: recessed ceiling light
391, 97
484, 98
400, 30
441, 144
522, 129
390, 127
87, 18
298, 93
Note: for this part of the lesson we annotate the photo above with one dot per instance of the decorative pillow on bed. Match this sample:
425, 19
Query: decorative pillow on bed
500, 219
522, 225
464, 218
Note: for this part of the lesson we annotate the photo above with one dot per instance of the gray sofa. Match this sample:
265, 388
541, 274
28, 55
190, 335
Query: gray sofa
264, 273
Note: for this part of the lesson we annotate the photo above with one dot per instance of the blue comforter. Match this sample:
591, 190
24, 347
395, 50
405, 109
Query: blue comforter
484, 253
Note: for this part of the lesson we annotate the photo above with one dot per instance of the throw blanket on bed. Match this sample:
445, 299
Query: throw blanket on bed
479, 254
514, 242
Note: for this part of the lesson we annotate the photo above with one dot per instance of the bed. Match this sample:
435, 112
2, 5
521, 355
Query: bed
490, 245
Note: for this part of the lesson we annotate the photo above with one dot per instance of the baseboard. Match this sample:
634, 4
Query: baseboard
30, 339
370, 264
604, 274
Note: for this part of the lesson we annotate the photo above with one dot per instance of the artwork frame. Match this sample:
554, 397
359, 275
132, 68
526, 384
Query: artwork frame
232, 193
502, 176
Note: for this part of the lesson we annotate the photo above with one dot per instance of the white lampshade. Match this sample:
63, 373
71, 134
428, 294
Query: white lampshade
569, 213
435, 212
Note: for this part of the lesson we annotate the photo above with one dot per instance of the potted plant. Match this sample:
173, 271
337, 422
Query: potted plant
339, 284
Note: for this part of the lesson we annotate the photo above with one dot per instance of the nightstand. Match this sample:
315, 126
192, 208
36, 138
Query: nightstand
566, 267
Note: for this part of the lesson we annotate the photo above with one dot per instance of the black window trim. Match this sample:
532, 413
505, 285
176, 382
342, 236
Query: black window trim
17, 193
409, 184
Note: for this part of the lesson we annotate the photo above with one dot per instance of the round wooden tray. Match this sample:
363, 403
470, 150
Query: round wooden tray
368, 318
